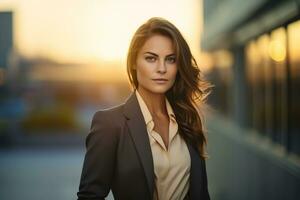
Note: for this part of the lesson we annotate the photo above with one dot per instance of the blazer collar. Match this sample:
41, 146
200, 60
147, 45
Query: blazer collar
138, 131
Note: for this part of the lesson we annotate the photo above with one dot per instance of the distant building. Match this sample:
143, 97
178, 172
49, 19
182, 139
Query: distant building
6, 41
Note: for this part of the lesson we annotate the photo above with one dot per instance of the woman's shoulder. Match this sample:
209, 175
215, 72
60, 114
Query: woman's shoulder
113, 113
106, 122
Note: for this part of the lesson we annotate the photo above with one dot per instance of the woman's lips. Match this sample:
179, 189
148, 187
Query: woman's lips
160, 80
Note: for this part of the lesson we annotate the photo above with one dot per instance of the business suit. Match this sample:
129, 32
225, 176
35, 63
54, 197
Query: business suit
119, 158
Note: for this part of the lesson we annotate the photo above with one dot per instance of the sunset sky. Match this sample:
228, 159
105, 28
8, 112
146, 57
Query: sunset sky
94, 30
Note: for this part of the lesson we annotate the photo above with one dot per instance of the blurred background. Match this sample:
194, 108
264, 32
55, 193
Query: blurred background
62, 60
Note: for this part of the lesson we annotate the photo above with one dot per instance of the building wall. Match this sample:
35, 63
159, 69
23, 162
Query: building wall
255, 137
243, 165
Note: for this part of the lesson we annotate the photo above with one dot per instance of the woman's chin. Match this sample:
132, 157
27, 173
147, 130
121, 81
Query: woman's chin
159, 89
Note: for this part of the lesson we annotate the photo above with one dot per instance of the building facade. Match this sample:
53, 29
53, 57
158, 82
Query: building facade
255, 48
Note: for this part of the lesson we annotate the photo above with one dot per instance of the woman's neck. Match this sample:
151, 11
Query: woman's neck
155, 102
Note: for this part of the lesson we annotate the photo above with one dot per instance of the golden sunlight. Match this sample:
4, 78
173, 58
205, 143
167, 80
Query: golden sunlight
95, 30
277, 46
277, 50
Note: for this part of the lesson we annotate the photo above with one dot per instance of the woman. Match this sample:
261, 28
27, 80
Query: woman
153, 145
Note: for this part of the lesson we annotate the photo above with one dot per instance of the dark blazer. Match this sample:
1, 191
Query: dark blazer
118, 157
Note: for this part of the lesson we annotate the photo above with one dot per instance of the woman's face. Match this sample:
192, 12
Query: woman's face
156, 65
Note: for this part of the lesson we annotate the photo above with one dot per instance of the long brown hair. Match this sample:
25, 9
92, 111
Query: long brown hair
189, 86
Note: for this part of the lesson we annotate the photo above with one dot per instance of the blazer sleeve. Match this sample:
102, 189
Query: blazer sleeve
206, 193
99, 161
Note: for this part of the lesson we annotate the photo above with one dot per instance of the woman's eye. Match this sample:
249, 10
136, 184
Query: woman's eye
171, 59
150, 58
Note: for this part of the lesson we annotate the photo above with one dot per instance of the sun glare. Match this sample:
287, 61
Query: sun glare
95, 30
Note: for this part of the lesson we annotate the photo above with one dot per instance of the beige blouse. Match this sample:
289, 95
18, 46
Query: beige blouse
172, 165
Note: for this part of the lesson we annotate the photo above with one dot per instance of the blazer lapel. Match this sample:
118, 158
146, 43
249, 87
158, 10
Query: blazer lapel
196, 175
139, 134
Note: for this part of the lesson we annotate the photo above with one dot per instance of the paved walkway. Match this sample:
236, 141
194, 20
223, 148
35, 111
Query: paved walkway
40, 174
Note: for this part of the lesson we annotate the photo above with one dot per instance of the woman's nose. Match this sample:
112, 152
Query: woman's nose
161, 68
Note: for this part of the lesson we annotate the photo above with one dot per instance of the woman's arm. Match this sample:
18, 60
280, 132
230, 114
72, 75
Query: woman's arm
99, 161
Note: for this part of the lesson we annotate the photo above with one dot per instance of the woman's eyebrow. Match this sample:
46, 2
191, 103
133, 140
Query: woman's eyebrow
154, 54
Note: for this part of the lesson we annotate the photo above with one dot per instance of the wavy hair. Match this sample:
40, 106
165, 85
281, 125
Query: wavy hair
189, 87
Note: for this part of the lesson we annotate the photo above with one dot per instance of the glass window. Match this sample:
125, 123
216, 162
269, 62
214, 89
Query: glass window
259, 75
294, 85
277, 53
273, 78
221, 76
263, 98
